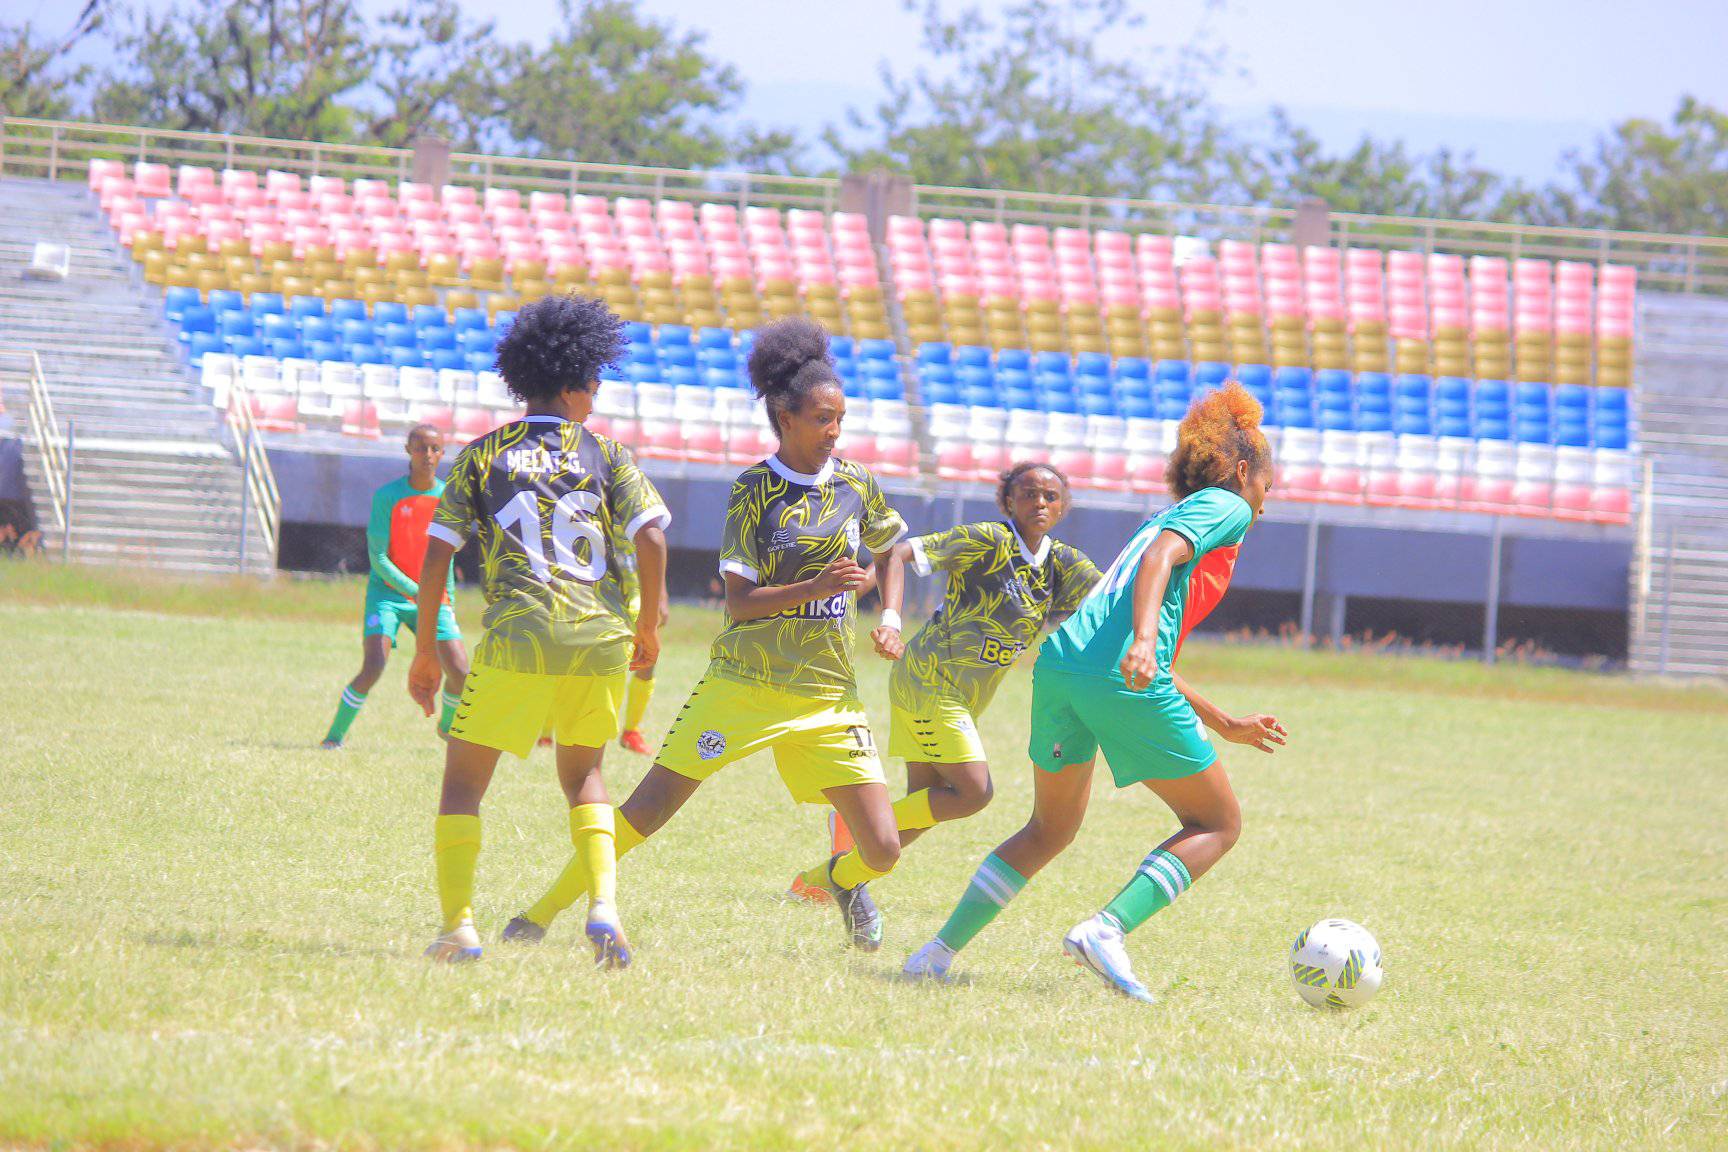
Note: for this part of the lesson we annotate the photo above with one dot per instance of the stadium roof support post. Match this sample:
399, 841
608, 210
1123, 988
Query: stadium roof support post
877, 195
1312, 227
431, 160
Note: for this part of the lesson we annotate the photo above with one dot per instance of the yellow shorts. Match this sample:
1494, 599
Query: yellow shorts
940, 731
817, 744
509, 710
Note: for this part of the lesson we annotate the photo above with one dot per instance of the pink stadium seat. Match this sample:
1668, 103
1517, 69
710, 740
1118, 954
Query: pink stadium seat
705, 444
151, 180
748, 445
360, 418
955, 461
1145, 466
472, 423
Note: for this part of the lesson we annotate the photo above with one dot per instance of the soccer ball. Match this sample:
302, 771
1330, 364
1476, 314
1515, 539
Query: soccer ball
1336, 964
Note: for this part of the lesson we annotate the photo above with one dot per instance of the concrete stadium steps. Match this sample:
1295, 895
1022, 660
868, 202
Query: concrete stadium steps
1681, 625
153, 480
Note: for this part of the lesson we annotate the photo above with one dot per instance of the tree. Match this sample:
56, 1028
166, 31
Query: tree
614, 87
1032, 102
1380, 178
436, 72
32, 81
265, 67
1642, 176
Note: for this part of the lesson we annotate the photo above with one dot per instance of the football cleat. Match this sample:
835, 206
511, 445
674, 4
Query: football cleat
611, 949
459, 944
522, 930
1097, 944
858, 910
929, 962
810, 893
634, 741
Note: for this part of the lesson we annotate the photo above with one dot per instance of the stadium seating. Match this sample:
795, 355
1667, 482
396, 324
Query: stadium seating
1390, 378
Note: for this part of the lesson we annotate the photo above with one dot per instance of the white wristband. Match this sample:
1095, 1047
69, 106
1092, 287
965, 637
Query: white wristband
891, 619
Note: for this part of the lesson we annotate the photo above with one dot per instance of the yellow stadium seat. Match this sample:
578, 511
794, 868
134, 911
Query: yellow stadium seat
402, 262
271, 253
360, 258
488, 275
461, 298
497, 302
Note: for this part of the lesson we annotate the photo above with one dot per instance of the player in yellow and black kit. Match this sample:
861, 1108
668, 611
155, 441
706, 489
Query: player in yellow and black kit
1007, 580
640, 688
781, 675
542, 496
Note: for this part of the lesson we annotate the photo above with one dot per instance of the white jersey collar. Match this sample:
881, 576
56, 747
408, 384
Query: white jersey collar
1035, 558
810, 479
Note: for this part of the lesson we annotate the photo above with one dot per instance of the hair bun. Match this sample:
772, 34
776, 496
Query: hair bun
783, 350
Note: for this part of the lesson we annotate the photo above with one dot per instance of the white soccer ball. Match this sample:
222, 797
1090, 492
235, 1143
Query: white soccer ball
1336, 964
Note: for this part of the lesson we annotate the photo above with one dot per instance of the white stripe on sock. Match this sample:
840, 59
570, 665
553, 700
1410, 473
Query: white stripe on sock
1153, 874
352, 698
1172, 868
992, 886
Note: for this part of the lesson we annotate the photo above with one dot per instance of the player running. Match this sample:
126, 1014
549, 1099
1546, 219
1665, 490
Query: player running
1104, 680
396, 546
780, 675
1006, 580
541, 496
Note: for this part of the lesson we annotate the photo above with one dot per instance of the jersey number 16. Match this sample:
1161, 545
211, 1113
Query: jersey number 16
570, 524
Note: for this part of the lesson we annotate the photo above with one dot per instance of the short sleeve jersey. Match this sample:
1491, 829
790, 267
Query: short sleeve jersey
543, 497
1000, 593
396, 536
1093, 641
783, 527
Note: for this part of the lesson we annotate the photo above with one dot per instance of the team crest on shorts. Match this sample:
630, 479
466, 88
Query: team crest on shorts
710, 744
852, 533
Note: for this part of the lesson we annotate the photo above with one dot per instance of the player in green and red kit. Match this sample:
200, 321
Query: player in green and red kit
1104, 681
396, 546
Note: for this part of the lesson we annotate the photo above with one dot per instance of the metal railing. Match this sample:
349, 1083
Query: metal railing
56, 149
53, 448
259, 496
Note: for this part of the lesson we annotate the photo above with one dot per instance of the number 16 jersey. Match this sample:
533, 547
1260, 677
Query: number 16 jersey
543, 497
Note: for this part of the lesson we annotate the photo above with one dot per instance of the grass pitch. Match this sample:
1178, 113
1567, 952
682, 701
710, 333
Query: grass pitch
211, 930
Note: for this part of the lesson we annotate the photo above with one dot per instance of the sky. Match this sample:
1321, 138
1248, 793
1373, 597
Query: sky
1516, 81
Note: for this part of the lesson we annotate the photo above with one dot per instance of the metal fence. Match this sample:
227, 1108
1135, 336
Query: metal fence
55, 149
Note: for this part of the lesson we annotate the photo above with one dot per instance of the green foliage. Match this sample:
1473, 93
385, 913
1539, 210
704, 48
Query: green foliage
32, 79
1644, 176
1034, 101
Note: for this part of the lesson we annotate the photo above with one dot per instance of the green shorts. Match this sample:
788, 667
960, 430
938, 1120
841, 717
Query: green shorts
385, 614
1144, 735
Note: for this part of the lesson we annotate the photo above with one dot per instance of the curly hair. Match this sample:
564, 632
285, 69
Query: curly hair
1221, 429
556, 344
788, 363
1010, 477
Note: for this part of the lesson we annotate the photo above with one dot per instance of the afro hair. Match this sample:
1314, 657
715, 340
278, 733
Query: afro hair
790, 361
558, 343
1220, 430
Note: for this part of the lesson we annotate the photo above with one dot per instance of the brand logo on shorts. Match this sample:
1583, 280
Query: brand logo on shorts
710, 744
852, 533
866, 743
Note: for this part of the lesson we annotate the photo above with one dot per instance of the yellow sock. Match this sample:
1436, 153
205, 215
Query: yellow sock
851, 871
573, 882
456, 849
913, 811
591, 836
636, 697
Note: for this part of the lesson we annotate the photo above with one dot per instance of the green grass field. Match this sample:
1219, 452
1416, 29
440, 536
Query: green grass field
212, 930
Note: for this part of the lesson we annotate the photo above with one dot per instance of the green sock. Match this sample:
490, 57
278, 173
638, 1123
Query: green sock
1160, 879
349, 708
993, 885
451, 699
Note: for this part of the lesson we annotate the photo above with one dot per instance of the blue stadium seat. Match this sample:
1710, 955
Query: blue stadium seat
176, 301
1335, 420
851, 388
1491, 429
1058, 402
407, 358
840, 347
981, 397
1414, 386
676, 336
1129, 386
478, 340
1413, 424
343, 309
286, 348
1015, 359
1492, 392
389, 312
468, 319
1530, 395
873, 349
1172, 409
1289, 378
1133, 368
1458, 426
1334, 381
1052, 382
1571, 398
358, 333
275, 326
712, 357
936, 352
1612, 437
235, 324
714, 338
247, 346
447, 358
1015, 379
1092, 364
481, 361
1452, 390
1137, 407
1211, 372
971, 356
201, 343
941, 393
325, 350
846, 369
676, 374
268, 303
1533, 432
397, 335
935, 374
305, 307
1255, 376
1095, 385
718, 377
1172, 370
1335, 401
1374, 403
636, 332
437, 339
226, 300
640, 353
638, 372
428, 316
1023, 398
501, 322
683, 355
885, 388
972, 376
1380, 421
1572, 434
198, 318
1612, 400
1097, 404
